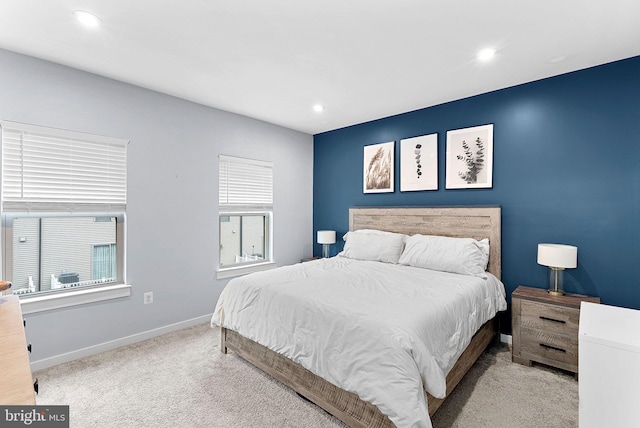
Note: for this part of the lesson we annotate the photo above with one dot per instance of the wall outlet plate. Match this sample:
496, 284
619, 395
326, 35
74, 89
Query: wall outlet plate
148, 297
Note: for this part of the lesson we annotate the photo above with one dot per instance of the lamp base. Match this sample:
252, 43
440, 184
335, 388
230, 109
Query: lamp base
325, 250
556, 281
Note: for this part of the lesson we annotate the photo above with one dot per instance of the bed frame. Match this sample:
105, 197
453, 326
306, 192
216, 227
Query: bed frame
460, 222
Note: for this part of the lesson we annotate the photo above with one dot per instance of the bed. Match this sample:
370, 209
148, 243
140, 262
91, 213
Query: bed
308, 344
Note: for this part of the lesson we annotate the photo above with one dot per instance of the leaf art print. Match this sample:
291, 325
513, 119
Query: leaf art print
470, 157
474, 161
378, 168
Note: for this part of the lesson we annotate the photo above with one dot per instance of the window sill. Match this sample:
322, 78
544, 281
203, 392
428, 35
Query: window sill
35, 304
243, 270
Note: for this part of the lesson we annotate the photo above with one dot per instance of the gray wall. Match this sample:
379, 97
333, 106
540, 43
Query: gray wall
172, 194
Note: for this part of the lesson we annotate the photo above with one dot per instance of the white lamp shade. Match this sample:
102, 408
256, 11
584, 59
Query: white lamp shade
558, 255
326, 237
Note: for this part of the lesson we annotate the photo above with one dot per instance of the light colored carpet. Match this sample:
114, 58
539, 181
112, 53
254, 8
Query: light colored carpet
182, 380
497, 393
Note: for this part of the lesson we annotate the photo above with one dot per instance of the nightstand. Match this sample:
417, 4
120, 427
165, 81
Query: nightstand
545, 327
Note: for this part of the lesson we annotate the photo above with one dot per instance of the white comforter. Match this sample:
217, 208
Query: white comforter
379, 330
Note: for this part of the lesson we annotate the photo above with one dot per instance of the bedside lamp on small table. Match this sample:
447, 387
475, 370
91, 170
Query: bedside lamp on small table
326, 238
557, 257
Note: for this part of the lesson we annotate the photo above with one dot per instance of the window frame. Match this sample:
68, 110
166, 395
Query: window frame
60, 298
234, 199
247, 267
107, 200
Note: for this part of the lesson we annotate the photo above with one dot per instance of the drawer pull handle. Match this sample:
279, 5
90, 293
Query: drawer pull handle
553, 348
551, 319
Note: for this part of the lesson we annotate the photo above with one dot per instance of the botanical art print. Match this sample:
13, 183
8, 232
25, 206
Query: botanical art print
378, 168
470, 157
419, 163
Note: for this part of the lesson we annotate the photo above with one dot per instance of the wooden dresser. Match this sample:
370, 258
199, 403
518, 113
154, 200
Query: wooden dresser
545, 327
16, 384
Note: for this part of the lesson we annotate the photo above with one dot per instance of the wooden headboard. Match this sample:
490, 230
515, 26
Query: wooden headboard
457, 222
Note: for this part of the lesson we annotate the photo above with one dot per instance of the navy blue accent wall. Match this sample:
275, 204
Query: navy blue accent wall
566, 169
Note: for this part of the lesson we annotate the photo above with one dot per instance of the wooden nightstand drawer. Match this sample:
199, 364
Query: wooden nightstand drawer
550, 318
549, 348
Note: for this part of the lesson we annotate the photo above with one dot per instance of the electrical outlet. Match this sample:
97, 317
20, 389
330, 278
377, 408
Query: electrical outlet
148, 297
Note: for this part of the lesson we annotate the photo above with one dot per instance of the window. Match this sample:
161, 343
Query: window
243, 238
104, 263
246, 209
49, 252
63, 209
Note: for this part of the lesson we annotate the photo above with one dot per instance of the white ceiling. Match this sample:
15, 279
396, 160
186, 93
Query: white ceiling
362, 59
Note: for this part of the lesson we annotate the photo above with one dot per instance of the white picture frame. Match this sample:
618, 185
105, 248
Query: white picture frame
378, 168
419, 163
469, 163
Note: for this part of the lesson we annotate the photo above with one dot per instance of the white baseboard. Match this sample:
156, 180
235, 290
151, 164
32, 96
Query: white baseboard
113, 344
505, 338
139, 337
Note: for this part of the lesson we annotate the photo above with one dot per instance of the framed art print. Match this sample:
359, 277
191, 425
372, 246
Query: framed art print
470, 158
378, 168
419, 163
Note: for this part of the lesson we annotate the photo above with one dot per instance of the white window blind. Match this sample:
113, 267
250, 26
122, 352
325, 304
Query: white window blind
245, 183
45, 169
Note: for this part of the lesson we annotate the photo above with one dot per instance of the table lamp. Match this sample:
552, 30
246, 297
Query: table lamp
326, 238
557, 257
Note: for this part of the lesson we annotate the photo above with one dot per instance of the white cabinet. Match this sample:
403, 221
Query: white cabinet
609, 360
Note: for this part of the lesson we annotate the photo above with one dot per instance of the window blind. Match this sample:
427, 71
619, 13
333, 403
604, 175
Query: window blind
45, 169
245, 183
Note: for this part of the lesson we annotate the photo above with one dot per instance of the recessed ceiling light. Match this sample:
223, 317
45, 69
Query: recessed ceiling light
318, 108
87, 19
486, 54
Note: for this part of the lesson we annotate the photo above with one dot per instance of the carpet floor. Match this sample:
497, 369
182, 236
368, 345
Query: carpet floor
182, 380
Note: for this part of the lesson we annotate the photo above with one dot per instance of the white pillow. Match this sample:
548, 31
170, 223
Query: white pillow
373, 245
458, 255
